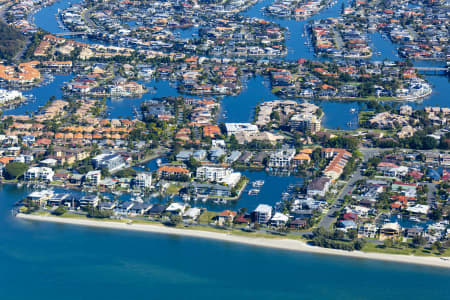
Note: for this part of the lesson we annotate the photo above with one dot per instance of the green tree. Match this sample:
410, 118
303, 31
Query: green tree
59, 211
15, 169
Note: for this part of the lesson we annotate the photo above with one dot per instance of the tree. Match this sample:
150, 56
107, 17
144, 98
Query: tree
438, 246
59, 211
175, 219
15, 169
418, 241
388, 243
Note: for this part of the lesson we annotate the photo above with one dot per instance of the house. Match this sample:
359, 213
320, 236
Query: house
263, 213
139, 209
176, 208
40, 197
123, 208
279, 219
157, 210
318, 186
226, 215
107, 206
390, 230
420, 209
300, 159
89, 200
192, 213
183, 155
216, 154
172, 172
367, 230
57, 199
347, 225
298, 224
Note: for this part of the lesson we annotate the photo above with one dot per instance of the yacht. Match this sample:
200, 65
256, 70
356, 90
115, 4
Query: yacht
254, 192
414, 219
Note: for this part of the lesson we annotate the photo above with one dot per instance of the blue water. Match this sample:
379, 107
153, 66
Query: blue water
41, 95
54, 261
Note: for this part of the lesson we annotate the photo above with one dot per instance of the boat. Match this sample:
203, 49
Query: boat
352, 110
253, 192
158, 162
137, 199
414, 219
19, 184
258, 183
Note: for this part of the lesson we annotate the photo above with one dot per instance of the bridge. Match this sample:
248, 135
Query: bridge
69, 33
432, 70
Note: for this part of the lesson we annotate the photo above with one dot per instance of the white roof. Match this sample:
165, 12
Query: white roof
176, 206
280, 217
419, 209
192, 212
263, 208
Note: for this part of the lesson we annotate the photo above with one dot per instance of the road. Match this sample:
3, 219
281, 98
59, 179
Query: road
329, 219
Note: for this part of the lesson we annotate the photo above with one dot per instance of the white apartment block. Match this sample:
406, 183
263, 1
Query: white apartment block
143, 180
213, 173
39, 174
281, 158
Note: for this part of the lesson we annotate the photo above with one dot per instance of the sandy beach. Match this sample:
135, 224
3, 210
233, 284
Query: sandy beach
285, 244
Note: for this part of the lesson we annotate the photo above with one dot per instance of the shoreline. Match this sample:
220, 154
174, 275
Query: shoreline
283, 244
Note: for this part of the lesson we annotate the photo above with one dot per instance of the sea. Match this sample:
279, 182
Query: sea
56, 261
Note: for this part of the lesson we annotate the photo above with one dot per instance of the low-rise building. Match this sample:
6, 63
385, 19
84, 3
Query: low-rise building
281, 158
263, 213
318, 186
39, 174
143, 180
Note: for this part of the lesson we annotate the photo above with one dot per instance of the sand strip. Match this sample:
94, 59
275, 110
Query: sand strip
286, 244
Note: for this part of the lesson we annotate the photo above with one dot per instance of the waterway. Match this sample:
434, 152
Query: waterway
240, 108
54, 261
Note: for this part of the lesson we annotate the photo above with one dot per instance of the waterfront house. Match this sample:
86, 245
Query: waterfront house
139, 209
89, 200
263, 213
40, 197
176, 208
192, 213
318, 186
367, 230
298, 224
390, 230
224, 216
57, 199
123, 208
157, 210
279, 219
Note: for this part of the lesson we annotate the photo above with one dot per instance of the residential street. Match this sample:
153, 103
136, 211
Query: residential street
329, 218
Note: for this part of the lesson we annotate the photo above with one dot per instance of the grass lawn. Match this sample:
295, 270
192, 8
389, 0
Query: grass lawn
369, 247
207, 216
173, 189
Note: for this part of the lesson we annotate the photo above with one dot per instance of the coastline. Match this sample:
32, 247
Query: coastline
283, 244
